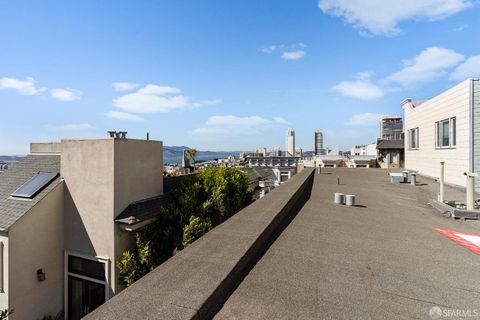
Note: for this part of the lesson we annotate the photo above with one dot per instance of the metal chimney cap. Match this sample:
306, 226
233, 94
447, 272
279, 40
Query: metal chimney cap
118, 134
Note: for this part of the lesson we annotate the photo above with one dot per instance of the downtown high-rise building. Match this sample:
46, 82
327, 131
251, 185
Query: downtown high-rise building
290, 142
319, 150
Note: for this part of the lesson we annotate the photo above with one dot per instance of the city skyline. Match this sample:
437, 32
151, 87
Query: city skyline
197, 74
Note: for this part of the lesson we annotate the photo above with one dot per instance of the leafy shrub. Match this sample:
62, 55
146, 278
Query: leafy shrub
198, 206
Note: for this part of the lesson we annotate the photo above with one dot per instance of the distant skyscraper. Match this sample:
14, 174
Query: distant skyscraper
391, 128
290, 142
319, 150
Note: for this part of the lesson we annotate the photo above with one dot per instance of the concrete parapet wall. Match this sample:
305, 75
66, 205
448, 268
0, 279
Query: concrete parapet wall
195, 283
45, 147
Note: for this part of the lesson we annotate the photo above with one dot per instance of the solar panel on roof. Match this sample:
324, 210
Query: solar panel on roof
36, 184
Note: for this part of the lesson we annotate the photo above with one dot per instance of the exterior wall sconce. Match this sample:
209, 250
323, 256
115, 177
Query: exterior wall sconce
40, 275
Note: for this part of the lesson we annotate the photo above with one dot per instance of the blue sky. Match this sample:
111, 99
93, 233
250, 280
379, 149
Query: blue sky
225, 75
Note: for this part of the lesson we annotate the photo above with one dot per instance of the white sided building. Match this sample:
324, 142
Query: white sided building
445, 128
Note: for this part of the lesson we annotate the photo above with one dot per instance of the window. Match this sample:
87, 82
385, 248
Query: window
86, 267
87, 286
413, 138
446, 133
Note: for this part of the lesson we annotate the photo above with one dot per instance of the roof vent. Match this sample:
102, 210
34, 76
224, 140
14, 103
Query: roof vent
118, 134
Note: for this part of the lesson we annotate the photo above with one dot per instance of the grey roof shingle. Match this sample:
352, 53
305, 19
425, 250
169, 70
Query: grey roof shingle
13, 209
256, 174
142, 210
390, 144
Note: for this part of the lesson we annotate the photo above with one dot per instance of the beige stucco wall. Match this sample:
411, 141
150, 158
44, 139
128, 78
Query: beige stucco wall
454, 102
45, 147
36, 242
138, 171
138, 175
87, 167
4, 275
102, 177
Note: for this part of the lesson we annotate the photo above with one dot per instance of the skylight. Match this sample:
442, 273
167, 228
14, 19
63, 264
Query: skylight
32, 187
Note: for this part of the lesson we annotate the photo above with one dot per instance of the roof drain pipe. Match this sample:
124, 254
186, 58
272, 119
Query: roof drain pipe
442, 181
471, 189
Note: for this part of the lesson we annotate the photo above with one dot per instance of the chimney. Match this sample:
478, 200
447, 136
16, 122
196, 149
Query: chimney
118, 134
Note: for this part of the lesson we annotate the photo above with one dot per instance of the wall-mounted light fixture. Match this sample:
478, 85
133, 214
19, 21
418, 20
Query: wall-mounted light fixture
40, 275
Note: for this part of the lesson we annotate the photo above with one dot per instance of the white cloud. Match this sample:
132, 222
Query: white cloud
124, 86
221, 127
366, 75
154, 89
469, 69
428, 65
381, 17
281, 120
71, 127
288, 52
431, 63
360, 89
461, 27
123, 116
153, 98
364, 119
269, 49
293, 55
67, 94
25, 87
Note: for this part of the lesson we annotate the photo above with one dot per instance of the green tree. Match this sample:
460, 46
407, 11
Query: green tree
227, 192
196, 228
191, 154
200, 204
134, 265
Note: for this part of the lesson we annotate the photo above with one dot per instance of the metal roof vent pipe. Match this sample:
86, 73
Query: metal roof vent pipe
350, 200
339, 198
413, 179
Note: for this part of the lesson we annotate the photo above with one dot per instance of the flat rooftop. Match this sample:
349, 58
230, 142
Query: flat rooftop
379, 260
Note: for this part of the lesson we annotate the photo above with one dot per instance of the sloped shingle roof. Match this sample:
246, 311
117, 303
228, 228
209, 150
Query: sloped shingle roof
10, 180
142, 210
390, 144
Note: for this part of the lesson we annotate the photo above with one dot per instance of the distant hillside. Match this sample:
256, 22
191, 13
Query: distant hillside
10, 158
173, 154
172, 151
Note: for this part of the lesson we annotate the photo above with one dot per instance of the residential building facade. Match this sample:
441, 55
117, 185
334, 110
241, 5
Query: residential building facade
390, 144
391, 128
299, 153
445, 129
59, 245
364, 150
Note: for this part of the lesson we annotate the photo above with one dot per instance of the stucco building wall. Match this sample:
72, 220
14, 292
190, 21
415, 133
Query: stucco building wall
4, 271
102, 177
36, 242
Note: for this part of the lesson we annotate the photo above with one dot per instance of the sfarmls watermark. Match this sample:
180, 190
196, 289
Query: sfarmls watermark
439, 313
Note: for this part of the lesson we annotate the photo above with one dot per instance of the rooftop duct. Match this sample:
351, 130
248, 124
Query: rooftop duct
118, 134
